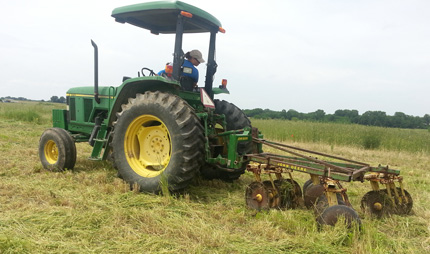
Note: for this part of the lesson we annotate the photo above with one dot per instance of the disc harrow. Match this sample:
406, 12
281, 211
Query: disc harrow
275, 187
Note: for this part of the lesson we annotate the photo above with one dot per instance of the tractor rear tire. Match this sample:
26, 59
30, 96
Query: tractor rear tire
57, 150
235, 117
236, 120
157, 141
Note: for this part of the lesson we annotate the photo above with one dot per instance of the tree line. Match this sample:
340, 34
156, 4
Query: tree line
14, 98
372, 118
54, 98
58, 99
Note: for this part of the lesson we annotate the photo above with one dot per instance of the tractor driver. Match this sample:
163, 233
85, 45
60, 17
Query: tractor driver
193, 58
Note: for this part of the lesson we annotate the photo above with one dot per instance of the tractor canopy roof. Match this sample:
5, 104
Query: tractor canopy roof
162, 16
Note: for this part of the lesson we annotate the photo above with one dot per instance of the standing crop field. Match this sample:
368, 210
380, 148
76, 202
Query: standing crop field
353, 135
90, 210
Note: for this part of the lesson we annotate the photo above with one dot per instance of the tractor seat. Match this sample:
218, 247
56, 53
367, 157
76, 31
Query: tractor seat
187, 83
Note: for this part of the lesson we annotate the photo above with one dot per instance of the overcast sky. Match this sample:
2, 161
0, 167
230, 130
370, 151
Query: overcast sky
278, 54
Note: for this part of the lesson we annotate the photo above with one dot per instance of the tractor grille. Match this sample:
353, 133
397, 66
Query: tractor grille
88, 107
72, 109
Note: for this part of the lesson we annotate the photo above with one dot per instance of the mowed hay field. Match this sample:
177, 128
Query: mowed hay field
90, 210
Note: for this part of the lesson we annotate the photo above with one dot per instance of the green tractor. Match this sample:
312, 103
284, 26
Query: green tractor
155, 126
159, 129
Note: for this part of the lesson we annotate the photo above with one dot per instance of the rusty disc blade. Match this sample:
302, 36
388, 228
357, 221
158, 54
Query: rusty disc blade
257, 196
377, 203
312, 193
290, 193
331, 215
403, 203
322, 203
273, 194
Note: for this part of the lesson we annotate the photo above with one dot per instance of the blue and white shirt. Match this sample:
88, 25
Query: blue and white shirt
190, 71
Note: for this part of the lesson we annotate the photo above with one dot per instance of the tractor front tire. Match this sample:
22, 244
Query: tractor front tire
57, 150
157, 139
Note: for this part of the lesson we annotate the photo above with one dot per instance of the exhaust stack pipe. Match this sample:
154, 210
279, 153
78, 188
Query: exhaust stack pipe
96, 72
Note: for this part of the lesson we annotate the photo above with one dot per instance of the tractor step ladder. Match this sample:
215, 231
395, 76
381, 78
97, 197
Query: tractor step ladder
101, 144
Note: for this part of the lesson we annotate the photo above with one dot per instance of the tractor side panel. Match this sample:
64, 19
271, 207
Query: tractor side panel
59, 118
83, 109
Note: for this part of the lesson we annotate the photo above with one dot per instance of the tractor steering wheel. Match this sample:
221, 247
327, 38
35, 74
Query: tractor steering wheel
151, 72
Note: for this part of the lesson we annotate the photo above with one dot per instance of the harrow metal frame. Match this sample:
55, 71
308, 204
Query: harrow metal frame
329, 173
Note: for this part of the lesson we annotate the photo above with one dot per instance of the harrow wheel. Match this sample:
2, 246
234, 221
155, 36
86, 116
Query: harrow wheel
290, 193
257, 196
331, 215
377, 203
274, 195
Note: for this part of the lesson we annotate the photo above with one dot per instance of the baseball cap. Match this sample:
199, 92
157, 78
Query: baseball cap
197, 55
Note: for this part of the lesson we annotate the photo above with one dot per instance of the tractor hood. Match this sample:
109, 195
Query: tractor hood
161, 17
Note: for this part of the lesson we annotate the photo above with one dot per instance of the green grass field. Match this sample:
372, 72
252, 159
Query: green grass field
90, 210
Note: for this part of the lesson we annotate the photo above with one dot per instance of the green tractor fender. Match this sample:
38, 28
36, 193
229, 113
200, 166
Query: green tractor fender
133, 86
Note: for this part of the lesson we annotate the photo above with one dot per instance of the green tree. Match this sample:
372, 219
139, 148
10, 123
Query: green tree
426, 120
351, 115
374, 118
319, 115
54, 98
292, 113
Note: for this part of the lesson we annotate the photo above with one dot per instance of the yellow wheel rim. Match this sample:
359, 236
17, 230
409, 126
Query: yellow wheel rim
51, 152
147, 146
